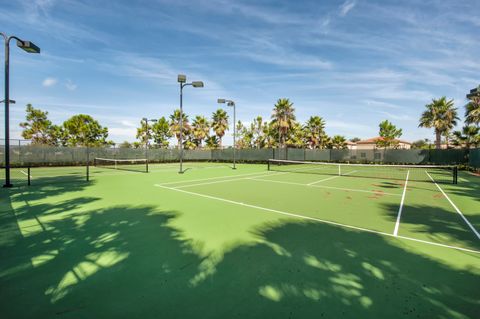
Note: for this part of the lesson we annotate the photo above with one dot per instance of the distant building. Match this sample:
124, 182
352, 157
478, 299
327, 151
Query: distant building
371, 144
351, 145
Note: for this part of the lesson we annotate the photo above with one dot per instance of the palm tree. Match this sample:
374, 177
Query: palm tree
200, 127
258, 132
314, 131
271, 134
339, 142
283, 116
220, 124
144, 134
472, 112
441, 115
212, 142
297, 136
175, 125
469, 136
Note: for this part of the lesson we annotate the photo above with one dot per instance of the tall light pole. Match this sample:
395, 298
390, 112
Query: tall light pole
182, 79
30, 48
146, 137
232, 104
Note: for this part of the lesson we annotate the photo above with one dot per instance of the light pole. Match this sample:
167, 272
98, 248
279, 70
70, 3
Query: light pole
30, 48
146, 137
182, 79
232, 104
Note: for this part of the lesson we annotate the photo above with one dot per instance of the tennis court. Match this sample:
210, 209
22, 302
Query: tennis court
286, 241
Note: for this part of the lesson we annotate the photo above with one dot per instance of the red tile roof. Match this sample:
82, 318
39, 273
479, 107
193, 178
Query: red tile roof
374, 140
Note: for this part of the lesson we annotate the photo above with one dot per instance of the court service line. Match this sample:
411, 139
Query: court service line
397, 223
313, 219
233, 179
323, 186
329, 178
210, 178
455, 207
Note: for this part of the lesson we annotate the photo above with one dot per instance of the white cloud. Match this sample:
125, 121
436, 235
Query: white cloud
398, 116
48, 82
128, 123
119, 133
346, 7
70, 85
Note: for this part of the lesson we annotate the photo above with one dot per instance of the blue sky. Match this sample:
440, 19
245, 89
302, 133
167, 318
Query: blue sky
354, 62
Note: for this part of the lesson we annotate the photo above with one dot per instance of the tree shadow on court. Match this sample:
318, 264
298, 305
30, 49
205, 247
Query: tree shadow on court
16, 207
126, 262
469, 188
435, 224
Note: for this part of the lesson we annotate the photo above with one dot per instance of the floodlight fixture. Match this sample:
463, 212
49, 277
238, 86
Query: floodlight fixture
182, 78
197, 84
28, 46
11, 101
473, 93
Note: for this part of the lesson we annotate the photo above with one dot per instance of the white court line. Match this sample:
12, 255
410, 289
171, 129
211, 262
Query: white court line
456, 208
210, 178
323, 180
329, 178
323, 186
314, 219
397, 224
230, 180
26, 174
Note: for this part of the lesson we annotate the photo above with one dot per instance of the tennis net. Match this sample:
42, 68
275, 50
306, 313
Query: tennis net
134, 165
422, 173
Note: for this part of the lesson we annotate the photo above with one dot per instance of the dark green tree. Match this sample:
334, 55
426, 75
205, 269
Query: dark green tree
388, 135
38, 128
161, 132
84, 130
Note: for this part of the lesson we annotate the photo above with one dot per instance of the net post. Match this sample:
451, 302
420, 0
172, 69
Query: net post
146, 165
455, 175
268, 165
88, 165
28, 176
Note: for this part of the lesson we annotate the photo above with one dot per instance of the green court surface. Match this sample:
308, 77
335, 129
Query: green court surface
246, 243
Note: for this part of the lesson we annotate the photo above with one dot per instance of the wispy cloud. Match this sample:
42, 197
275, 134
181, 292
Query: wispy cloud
70, 85
346, 7
48, 82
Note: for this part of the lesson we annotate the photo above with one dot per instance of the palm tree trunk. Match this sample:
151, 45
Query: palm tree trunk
438, 139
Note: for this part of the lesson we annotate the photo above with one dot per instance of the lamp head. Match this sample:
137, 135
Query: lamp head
28, 46
221, 101
197, 84
182, 78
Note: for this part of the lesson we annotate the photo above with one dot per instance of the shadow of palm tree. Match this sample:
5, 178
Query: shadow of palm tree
127, 261
436, 224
